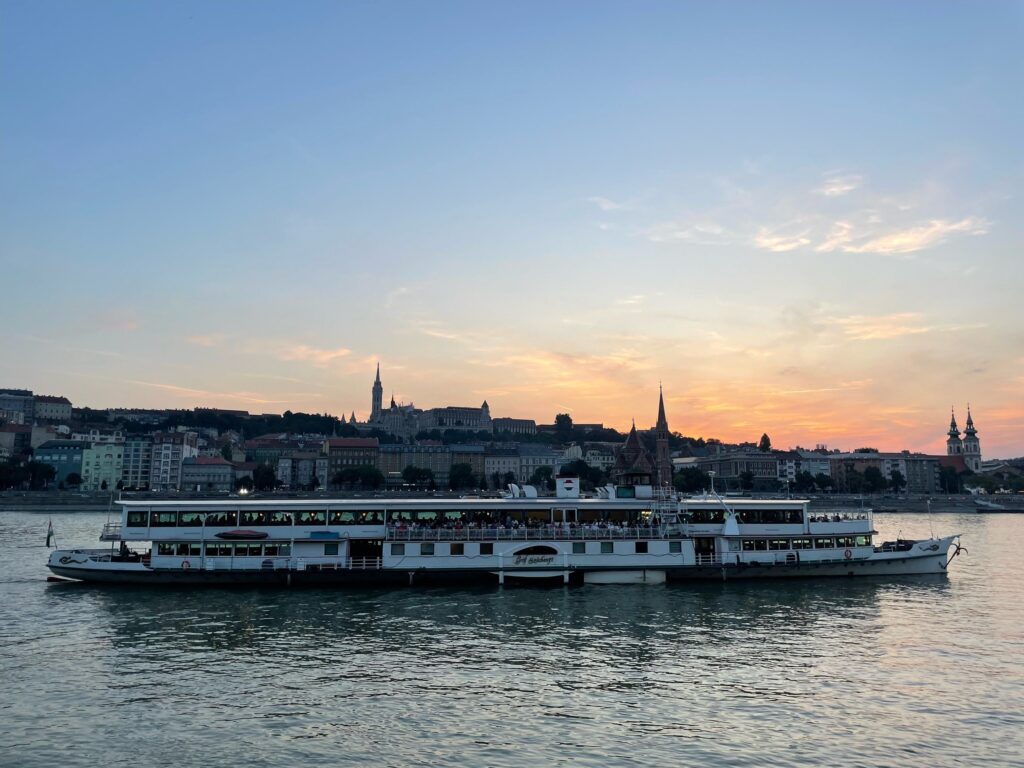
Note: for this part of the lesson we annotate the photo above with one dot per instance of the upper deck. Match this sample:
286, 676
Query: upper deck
389, 518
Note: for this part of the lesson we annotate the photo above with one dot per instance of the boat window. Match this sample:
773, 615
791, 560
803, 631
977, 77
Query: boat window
640, 547
284, 550
276, 518
487, 548
675, 547
190, 519
427, 548
165, 548
760, 545
137, 519
824, 543
164, 519
311, 517
863, 541
397, 549
221, 519
271, 549
458, 548
771, 516
330, 548
777, 544
579, 548
707, 516
607, 548
215, 549
846, 541
801, 543
251, 517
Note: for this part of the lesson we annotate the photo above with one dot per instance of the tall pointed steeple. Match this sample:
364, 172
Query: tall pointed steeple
377, 403
972, 445
954, 445
662, 455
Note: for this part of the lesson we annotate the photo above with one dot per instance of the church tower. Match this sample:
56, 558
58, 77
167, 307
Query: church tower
662, 457
954, 445
972, 446
378, 399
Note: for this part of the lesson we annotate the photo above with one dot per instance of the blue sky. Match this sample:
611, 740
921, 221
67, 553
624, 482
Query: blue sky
802, 217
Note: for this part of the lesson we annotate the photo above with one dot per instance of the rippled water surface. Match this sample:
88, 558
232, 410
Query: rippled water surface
921, 671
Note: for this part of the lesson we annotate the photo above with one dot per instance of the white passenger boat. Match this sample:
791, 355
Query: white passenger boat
619, 535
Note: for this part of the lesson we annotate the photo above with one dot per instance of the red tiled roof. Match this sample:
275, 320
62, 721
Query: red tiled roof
211, 460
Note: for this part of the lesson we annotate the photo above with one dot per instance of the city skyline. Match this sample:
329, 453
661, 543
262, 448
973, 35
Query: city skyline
805, 224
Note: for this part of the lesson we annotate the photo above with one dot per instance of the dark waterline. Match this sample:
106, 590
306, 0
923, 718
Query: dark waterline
921, 671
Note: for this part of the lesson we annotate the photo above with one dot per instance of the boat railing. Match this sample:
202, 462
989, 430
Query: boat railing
708, 559
111, 532
542, 533
218, 563
837, 515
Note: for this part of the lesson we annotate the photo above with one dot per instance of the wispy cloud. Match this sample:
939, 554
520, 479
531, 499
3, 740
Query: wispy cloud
837, 185
875, 327
206, 340
190, 392
315, 355
609, 205
780, 242
919, 237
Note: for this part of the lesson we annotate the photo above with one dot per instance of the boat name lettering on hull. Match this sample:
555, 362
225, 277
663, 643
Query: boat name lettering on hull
534, 560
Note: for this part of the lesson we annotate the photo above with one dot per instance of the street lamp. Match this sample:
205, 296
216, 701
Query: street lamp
711, 474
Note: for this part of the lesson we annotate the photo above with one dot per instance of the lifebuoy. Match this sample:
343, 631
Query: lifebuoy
848, 554
185, 564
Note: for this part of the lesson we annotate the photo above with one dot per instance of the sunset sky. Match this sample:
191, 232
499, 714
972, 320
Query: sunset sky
802, 218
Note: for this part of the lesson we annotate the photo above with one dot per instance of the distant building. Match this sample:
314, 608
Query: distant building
299, 469
514, 426
16, 438
207, 474
533, 457
501, 462
101, 466
93, 435
347, 452
138, 461
18, 401
633, 462
52, 408
170, 449
972, 445
464, 419
730, 467
393, 459
65, 456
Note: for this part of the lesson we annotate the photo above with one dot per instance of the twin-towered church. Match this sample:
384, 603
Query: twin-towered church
968, 447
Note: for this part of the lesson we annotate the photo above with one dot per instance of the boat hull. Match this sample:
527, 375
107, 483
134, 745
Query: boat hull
923, 558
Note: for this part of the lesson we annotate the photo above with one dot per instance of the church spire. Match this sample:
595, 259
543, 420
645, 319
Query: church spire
969, 429
662, 421
377, 380
954, 430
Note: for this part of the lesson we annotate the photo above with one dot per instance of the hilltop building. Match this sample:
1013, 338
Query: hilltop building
405, 420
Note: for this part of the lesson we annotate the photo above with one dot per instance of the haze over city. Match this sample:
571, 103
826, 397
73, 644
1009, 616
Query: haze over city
807, 225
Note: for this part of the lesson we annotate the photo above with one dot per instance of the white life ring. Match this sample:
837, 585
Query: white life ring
848, 554
185, 565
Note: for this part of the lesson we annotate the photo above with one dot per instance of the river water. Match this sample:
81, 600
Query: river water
924, 671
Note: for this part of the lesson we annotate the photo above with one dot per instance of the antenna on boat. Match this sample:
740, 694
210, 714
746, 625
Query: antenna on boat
931, 528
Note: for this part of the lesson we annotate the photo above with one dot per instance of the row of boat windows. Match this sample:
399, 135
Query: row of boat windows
578, 548
749, 516
172, 519
818, 542
218, 549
